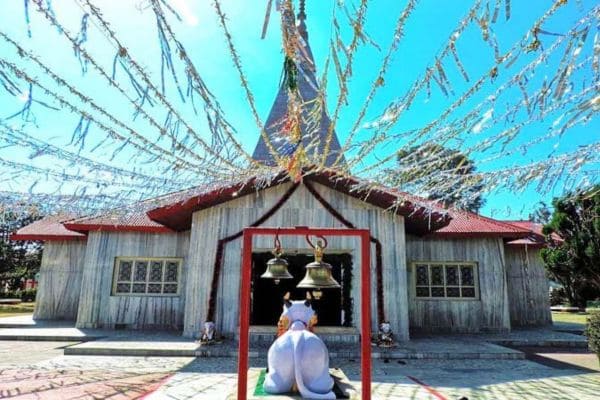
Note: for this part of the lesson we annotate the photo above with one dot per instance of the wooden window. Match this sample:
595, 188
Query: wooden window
445, 280
139, 276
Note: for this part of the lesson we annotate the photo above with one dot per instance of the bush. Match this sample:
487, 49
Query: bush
558, 297
593, 332
12, 294
28, 295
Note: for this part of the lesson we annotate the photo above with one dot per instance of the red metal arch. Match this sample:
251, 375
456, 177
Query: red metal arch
365, 290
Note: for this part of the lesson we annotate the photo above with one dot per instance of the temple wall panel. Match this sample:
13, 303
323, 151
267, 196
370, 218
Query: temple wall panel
302, 209
100, 307
528, 288
488, 312
60, 280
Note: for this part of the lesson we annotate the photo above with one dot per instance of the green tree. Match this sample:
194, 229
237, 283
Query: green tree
439, 173
574, 260
18, 259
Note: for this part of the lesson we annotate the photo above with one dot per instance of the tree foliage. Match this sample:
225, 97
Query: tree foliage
439, 173
574, 259
18, 259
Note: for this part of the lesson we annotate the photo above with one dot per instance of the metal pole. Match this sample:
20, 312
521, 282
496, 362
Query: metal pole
246, 277
365, 314
365, 290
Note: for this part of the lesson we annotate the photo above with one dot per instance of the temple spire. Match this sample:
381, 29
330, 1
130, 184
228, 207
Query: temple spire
301, 20
314, 130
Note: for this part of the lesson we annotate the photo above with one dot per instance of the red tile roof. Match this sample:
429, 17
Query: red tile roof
174, 211
467, 224
537, 237
118, 220
129, 219
47, 228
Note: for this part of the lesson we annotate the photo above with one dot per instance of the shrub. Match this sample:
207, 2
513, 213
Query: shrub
593, 332
558, 297
28, 295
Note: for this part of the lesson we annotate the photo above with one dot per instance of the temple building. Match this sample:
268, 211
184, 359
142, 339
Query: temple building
175, 262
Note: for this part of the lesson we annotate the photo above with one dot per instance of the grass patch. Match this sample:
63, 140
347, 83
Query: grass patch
9, 310
571, 318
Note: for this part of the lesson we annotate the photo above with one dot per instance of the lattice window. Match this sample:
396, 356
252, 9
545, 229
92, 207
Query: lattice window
137, 276
445, 280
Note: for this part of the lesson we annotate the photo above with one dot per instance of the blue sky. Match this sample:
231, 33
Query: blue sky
426, 31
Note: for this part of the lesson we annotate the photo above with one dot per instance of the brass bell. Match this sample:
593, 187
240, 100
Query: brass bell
277, 268
318, 273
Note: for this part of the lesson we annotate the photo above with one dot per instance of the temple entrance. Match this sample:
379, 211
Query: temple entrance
333, 309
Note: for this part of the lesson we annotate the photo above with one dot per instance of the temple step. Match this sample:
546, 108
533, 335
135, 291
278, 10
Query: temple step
329, 334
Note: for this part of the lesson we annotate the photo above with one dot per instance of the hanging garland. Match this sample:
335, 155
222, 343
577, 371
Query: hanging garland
374, 240
218, 264
347, 300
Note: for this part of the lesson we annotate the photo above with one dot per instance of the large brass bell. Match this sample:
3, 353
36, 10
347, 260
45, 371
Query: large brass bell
277, 267
318, 273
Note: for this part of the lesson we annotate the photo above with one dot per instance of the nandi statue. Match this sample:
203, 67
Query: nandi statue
298, 357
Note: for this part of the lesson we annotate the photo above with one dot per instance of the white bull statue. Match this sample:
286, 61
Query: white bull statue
298, 358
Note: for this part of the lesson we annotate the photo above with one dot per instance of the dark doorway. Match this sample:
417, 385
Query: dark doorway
333, 309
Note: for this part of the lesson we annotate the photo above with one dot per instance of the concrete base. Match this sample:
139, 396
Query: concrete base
340, 379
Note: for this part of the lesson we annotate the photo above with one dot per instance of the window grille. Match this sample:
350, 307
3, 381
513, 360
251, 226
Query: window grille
445, 280
138, 276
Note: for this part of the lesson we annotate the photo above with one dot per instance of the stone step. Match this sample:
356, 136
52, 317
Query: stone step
229, 349
562, 343
330, 335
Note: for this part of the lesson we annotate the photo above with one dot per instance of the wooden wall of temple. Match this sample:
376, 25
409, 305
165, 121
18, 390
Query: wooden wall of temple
302, 209
488, 312
528, 287
60, 280
98, 307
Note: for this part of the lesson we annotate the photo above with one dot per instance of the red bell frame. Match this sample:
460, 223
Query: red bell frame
365, 290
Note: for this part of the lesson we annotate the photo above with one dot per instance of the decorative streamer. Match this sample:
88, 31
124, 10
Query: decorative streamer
244, 81
197, 85
475, 88
493, 128
27, 19
80, 40
17, 137
139, 70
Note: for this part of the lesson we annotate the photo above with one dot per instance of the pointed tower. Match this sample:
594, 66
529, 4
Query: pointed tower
314, 129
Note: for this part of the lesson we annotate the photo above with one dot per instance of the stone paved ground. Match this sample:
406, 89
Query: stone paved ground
31, 370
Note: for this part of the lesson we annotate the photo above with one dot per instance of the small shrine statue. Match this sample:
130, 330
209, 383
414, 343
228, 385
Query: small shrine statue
208, 334
385, 337
298, 357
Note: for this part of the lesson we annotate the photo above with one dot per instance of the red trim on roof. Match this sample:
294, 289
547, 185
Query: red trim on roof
47, 228
418, 220
116, 228
178, 216
45, 237
465, 235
